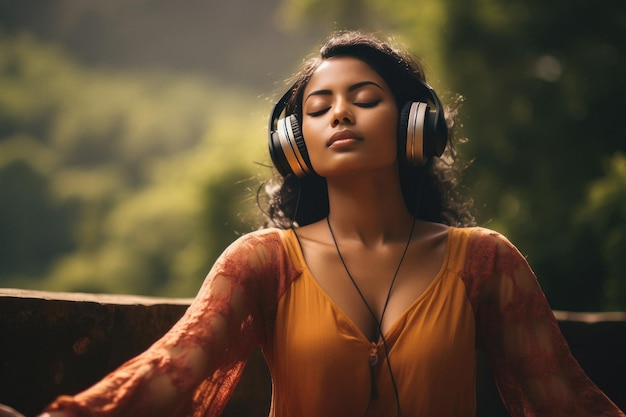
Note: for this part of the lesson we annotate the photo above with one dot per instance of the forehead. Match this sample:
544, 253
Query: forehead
338, 72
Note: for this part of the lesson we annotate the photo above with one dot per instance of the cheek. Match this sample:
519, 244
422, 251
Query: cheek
388, 127
310, 132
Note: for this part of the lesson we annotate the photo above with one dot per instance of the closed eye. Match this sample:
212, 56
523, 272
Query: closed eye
368, 104
318, 112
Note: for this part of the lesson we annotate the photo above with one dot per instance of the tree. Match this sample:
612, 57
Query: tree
543, 95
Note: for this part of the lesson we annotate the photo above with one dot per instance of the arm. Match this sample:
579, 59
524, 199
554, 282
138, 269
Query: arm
197, 364
533, 367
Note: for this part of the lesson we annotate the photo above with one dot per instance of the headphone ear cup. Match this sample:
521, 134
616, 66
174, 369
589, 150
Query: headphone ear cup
288, 149
422, 133
302, 154
411, 133
278, 156
435, 133
403, 124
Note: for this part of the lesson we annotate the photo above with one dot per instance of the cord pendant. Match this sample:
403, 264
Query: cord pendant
373, 358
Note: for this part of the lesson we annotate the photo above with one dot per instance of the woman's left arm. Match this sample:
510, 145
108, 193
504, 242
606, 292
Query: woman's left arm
532, 364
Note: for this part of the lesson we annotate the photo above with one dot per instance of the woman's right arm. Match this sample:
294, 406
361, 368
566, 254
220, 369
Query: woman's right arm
197, 364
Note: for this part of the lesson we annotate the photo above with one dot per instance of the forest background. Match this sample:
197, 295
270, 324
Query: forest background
133, 133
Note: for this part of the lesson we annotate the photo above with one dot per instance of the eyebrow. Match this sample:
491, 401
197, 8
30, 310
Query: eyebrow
353, 87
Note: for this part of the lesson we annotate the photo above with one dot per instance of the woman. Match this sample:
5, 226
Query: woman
366, 297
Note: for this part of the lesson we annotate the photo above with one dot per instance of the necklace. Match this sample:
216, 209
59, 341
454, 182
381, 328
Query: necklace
373, 356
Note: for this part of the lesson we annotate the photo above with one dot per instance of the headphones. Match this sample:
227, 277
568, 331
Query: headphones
422, 133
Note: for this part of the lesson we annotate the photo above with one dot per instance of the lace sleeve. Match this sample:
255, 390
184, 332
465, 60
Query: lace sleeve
193, 369
534, 369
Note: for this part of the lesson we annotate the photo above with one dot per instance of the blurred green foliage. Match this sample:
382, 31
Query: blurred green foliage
119, 181
544, 93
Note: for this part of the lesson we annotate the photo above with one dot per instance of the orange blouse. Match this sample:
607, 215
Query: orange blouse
319, 357
260, 292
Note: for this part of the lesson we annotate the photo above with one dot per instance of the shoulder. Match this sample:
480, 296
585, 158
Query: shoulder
490, 258
478, 233
255, 249
268, 234
270, 238
486, 245
265, 251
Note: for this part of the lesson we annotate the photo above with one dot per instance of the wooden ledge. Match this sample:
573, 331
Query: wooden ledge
590, 317
121, 299
125, 299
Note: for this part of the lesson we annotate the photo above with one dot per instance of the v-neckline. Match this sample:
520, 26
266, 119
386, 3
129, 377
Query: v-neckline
395, 323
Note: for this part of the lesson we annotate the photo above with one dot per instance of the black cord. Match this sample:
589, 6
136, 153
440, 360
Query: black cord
373, 314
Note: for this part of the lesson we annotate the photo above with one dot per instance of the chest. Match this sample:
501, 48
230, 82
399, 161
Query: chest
374, 288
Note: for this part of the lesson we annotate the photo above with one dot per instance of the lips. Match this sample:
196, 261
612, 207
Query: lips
343, 135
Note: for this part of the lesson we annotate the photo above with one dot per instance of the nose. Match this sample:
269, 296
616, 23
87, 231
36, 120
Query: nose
342, 114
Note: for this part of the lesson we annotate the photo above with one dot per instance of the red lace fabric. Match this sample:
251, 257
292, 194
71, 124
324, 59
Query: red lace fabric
194, 368
535, 372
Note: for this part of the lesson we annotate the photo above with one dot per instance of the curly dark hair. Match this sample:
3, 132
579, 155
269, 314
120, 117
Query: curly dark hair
431, 192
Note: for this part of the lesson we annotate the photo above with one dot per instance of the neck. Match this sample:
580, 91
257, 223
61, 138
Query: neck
370, 209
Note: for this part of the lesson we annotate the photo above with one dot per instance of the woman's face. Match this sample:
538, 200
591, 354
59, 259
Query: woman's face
349, 118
